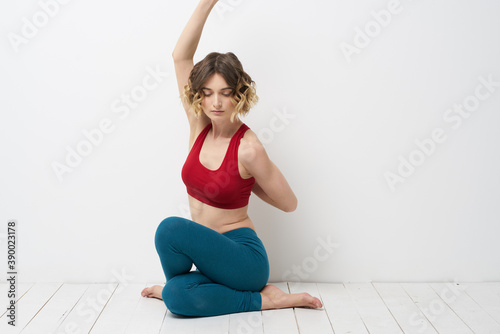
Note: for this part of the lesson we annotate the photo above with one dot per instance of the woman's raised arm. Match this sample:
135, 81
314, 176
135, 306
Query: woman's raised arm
186, 47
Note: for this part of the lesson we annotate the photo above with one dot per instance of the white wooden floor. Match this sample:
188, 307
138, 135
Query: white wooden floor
386, 308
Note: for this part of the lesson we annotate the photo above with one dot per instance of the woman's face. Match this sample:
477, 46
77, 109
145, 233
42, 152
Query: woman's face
216, 103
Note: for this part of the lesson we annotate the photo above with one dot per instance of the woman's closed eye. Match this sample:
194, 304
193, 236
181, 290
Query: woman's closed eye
226, 95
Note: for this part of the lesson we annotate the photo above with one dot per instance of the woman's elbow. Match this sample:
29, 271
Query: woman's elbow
175, 56
179, 57
292, 206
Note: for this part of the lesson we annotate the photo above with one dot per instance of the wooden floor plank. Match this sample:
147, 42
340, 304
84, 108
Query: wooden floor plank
341, 309
310, 321
212, 325
373, 311
442, 318
348, 308
88, 308
176, 324
246, 322
280, 321
56, 310
187, 325
403, 309
148, 316
30, 304
487, 295
466, 308
118, 312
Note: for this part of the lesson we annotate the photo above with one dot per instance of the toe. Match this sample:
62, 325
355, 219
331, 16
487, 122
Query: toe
146, 292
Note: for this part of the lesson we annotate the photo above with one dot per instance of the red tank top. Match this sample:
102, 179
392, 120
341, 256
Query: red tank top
224, 187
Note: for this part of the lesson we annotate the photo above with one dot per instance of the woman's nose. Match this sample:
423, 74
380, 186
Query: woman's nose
216, 101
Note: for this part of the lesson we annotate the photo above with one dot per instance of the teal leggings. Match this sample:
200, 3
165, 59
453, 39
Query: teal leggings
232, 268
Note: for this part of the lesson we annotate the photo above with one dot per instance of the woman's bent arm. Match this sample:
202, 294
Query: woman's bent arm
270, 184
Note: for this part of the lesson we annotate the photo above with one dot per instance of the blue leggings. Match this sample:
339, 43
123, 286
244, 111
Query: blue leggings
232, 268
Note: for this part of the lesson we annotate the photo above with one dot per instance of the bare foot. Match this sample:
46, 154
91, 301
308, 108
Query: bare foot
273, 298
153, 292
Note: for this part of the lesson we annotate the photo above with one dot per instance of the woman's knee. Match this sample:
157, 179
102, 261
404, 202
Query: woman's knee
182, 295
168, 295
175, 296
168, 228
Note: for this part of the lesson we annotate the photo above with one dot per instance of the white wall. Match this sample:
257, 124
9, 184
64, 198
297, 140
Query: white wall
351, 119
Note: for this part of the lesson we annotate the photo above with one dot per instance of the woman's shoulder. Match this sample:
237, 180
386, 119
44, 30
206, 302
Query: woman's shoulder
250, 147
250, 139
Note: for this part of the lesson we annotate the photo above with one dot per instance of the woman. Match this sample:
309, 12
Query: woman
225, 164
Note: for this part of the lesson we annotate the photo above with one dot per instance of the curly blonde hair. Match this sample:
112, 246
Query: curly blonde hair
243, 96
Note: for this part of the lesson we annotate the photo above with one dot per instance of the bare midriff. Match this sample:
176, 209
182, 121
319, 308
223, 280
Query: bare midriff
220, 220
